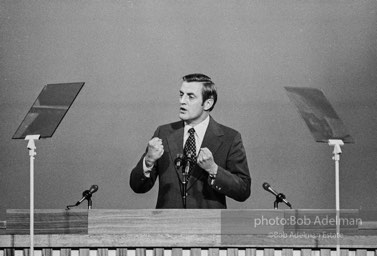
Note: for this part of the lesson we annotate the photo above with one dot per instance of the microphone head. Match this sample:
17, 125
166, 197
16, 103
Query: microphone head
178, 160
268, 188
190, 157
189, 154
93, 189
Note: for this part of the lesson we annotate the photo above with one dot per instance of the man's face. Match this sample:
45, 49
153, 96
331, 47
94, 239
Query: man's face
191, 103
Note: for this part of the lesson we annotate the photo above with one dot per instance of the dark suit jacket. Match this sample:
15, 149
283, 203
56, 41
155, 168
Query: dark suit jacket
232, 179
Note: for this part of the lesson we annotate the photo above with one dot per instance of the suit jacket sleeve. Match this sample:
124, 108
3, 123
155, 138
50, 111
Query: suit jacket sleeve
233, 180
138, 181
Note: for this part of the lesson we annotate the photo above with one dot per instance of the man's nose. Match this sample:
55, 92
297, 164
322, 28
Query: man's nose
183, 100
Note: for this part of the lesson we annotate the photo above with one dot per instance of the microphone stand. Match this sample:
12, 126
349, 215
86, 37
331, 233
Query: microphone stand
90, 202
279, 199
184, 183
88, 196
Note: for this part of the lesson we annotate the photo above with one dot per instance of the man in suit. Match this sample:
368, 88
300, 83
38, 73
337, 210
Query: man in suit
213, 155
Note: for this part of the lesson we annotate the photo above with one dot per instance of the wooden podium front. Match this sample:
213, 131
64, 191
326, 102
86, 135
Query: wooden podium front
171, 232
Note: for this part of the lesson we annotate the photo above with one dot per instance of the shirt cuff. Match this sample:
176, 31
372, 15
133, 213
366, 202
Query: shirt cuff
147, 170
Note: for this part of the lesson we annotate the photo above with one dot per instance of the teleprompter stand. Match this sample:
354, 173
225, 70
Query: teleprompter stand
325, 126
41, 121
336, 157
32, 153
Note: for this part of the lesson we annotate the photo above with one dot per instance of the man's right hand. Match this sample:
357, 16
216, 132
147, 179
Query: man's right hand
155, 151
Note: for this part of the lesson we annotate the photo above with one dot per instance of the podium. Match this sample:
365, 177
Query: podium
175, 232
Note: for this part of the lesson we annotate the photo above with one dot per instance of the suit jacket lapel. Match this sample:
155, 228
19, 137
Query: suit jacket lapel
212, 140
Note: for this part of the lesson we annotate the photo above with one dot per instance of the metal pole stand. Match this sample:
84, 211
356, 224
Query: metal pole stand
184, 191
90, 202
336, 157
184, 183
279, 198
31, 147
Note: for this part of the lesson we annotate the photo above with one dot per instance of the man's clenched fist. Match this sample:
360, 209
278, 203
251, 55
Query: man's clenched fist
155, 151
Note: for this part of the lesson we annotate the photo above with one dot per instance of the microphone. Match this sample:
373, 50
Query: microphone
281, 196
87, 193
189, 159
178, 161
187, 168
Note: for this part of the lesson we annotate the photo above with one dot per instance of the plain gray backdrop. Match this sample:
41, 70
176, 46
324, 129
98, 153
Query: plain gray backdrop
132, 55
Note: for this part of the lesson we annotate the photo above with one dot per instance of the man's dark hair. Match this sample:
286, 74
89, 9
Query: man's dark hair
209, 88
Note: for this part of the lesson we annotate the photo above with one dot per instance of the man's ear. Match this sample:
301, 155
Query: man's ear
208, 104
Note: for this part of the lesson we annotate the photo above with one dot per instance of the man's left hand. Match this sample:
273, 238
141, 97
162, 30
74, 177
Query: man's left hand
205, 160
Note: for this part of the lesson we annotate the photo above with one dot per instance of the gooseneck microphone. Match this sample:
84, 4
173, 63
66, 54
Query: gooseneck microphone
279, 196
87, 194
178, 162
184, 161
189, 161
